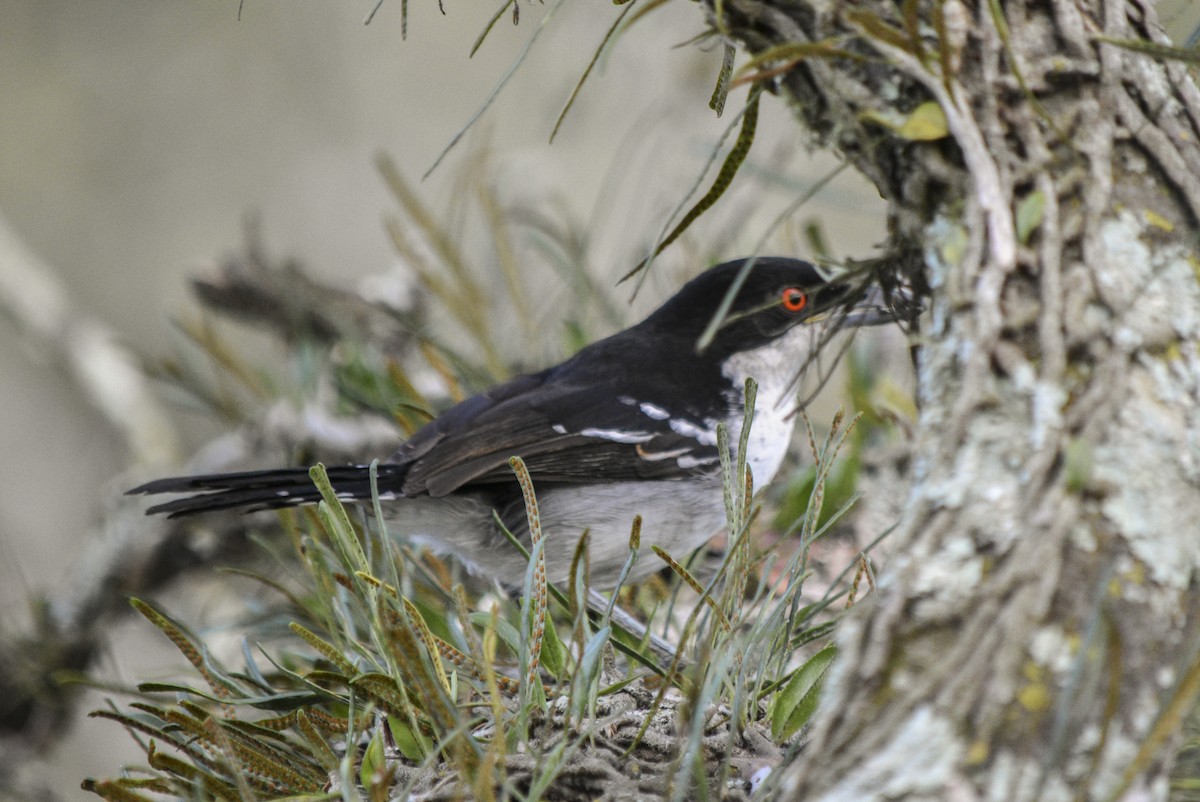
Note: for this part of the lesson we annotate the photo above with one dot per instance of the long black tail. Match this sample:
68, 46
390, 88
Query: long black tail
250, 491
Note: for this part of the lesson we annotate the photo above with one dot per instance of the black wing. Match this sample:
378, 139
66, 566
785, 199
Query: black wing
594, 418
589, 422
276, 488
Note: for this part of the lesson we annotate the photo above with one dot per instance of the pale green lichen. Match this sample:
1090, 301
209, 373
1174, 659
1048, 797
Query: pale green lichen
921, 761
1150, 462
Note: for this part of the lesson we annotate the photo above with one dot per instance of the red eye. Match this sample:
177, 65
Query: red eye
794, 299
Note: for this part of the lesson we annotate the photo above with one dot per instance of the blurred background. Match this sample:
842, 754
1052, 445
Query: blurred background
137, 138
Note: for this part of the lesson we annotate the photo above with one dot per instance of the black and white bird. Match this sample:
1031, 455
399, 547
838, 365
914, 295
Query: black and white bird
625, 427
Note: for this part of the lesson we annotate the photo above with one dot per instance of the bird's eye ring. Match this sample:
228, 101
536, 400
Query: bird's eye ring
794, 299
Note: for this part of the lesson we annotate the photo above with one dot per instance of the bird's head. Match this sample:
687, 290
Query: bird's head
777, 295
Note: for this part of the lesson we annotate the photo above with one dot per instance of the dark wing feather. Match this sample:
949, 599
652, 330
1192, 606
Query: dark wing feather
588, 420
588, 459
266, 490
463, 415
567, 426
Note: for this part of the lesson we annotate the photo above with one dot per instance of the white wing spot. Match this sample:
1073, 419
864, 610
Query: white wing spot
653, 411
687, 463
617, 436
558, 428
654, 456
703, 436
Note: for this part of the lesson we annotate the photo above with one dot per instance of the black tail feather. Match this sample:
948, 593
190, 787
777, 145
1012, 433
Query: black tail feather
250, 491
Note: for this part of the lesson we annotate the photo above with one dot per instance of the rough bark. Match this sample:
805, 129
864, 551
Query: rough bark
1036, 634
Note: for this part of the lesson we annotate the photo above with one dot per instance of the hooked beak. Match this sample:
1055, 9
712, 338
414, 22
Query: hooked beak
876, 307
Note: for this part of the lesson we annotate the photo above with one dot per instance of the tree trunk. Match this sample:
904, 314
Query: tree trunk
1035, 634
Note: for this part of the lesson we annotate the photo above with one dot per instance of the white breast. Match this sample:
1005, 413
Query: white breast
773, 366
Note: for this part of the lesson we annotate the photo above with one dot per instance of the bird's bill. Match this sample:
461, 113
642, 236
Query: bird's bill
876, 307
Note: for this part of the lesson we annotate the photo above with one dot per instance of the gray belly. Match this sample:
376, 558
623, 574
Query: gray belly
678, 517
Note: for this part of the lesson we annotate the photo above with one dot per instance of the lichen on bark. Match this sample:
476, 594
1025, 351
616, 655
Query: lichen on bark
1041, 604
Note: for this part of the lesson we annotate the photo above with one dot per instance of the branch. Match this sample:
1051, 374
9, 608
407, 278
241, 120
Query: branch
88, 351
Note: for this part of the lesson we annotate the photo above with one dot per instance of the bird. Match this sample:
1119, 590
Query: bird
627, 426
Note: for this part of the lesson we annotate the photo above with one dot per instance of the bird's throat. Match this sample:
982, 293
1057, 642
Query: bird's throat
773, 367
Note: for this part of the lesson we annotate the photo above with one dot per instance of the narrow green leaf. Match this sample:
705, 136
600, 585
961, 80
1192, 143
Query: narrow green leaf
874, 27
554, 653
326, 649
1029, 214
1079, 463
499, 85
1187, 55
114, 790
491, 23
589, 670
779, 59
534, 603
562, 115
794, 705
372, 760
337, 523
729, 168
504, 630
721, 90
926, 123
410, 742
190, 647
